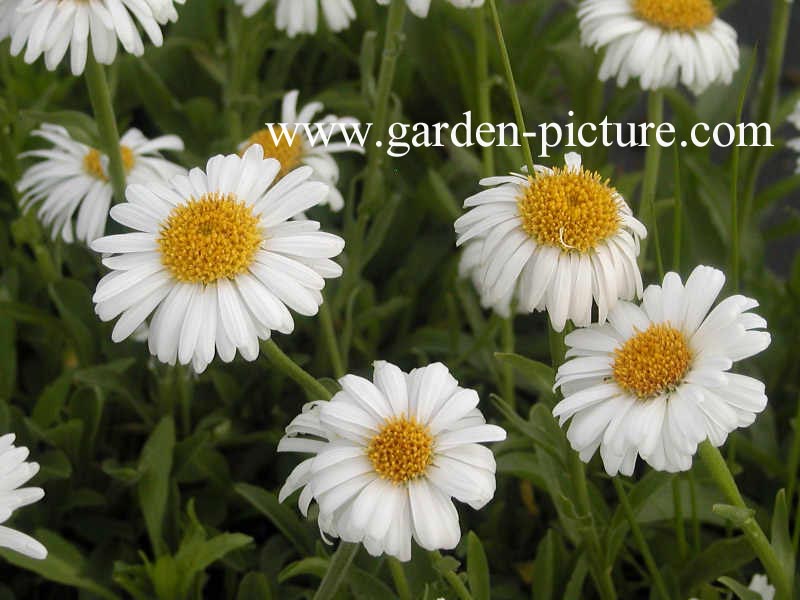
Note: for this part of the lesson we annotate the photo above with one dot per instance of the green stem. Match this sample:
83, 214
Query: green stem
794, 459
295, 372
507, 334
512, 87
558, 347
677, 217
392, 46
399, 578
695, 513
337, 571
767, 104
758, 540
641, 542
100, 96
458, 586
600, 571
329, 335
680, 530
484, 89
652, 165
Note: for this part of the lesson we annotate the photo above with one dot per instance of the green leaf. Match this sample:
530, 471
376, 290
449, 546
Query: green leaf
477, 568
64, 564
722, 556
734, 514
314, 566
281, 516
155, 464
254, 586
781, 537
545, 567
538, 374
51, 401
740, 590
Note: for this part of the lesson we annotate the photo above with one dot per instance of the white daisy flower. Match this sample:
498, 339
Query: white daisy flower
421, 7
655, 382
794, 143
14, 472
301, 16
49, 28
389, 455
74, 177
661, 42
553, 241
215, 256
297, 148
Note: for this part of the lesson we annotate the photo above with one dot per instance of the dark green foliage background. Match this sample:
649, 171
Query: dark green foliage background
162, 485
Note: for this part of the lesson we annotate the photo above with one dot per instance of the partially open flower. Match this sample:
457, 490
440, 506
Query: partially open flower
292, 145
655, 380
389, 455
555, 241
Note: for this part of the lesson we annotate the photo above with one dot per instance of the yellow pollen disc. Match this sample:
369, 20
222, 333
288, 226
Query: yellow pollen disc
677, 15
402, 450
285, 152
572, 210
93, 164
210, 238
652, 361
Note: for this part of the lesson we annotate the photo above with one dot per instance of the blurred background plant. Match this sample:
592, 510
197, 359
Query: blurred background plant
163, 485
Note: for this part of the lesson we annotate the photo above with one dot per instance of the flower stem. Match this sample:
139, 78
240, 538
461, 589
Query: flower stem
640, 540
295, 372
794, 459
512, 87
458, 586
329, 335
680, 530
677, 216
100, 96
758, 540
399, 577
484, 89
767, 103
507, 335
652, 165
337, 571
597, 563
392, 46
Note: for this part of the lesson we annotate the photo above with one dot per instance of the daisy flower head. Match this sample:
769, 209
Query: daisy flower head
302, 16
660, 42
216, 260
73, 177
655, 380
45, 27
794, 143
389, 455
421, 7
14, 472
293, 145
555, 241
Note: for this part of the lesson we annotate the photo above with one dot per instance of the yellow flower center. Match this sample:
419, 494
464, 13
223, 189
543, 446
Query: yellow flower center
402, 450
676, 15
572, 210
93, 164
287, 152
210, 238
652, 361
